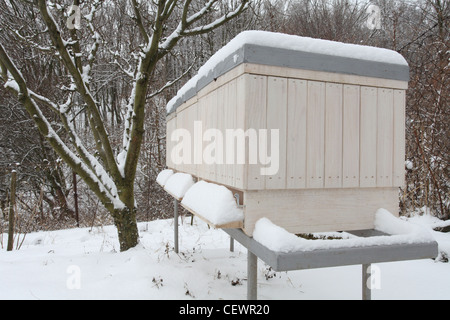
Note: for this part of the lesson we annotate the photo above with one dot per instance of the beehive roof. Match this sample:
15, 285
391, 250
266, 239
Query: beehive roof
282, 50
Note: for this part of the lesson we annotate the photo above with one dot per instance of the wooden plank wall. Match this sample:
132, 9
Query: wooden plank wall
337, 135
331, 135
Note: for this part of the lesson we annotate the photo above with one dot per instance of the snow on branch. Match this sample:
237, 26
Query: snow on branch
98, 180
81, 80
187, 22
171, 83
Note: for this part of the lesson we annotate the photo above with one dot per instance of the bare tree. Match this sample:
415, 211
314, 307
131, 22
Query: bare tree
108, 170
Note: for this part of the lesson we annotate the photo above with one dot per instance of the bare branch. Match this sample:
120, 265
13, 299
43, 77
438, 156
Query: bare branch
171, 83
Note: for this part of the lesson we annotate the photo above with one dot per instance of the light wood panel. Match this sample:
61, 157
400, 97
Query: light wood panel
333, 135
230, 124
171, 126
296, 134
368, 146
319, 210
276, 122
256, 119
315, 135
398, 178
385, 144
350, 149
240, 172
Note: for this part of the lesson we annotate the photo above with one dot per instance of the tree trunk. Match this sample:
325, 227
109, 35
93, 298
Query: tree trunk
11, 212
125, 222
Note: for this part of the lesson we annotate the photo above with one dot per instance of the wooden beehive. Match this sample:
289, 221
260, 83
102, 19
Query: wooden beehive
340, 114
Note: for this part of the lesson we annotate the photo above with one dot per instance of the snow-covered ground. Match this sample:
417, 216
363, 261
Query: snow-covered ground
86, 264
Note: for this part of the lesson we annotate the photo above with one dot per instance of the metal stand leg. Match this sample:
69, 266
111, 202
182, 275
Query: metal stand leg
231, 244
252, 276
175, 209
366, 290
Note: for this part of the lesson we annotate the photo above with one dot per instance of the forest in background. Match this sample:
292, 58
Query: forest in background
418, 29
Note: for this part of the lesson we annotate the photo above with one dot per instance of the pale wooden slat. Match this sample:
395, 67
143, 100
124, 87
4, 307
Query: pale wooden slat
333, 136
256, 118
181, 124
368, 152
214, 121
231, 109
192, 116
198, 156
315, 144
350, 165
170, 127
296, 134
240, 177
398, 179
385, 143
276, 120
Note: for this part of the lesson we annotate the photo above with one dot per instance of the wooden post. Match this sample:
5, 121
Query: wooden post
175, 209
11, 211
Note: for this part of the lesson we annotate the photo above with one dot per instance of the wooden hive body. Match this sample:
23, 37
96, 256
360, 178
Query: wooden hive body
339, 124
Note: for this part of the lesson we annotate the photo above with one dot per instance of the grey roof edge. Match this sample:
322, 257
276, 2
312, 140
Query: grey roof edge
255, 54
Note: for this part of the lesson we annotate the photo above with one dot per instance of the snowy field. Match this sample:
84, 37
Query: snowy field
86, 264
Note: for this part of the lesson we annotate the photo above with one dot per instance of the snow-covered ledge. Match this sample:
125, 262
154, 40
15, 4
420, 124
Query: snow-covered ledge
397, 232
284, 251
212, 203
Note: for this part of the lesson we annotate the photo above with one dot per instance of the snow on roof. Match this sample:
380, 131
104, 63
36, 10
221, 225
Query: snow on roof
399, 232
213, 202
277, 49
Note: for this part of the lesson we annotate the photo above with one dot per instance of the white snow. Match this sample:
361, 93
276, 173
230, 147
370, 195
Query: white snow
85, 264
213, 202
409, 164
163, 176
291, 42
178, 184
400, 232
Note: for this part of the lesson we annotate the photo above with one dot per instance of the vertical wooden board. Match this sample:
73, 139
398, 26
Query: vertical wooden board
385, 143
256, 115
214, 106
192, 117
333, 136
181, 124
315, 144
276, 120
398, 179
197, 153
296, 134
222, 124
170, 128
240, 178
350, 149
368, 145
231, 124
